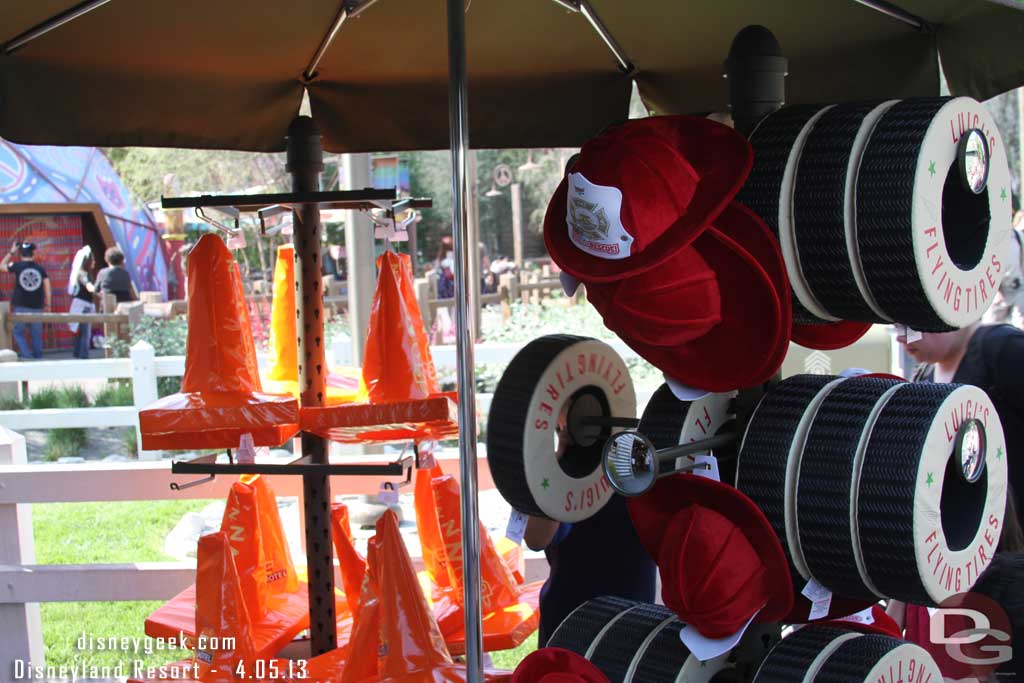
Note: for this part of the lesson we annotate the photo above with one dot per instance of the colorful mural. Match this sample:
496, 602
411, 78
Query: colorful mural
84, 175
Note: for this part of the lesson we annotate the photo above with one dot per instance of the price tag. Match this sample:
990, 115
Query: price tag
387, 495
711, 471
516, 527
820, 597
246, 452
425, 453
911, 335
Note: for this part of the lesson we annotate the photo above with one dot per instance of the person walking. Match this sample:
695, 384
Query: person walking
81, 290
31, 295
115, 279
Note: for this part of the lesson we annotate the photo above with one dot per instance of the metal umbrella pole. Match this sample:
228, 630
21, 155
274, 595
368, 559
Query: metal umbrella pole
464, 311
305, 162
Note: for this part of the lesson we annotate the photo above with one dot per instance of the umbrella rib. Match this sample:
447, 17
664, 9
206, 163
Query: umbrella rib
50, 24
891, 10
583, 7
349, 9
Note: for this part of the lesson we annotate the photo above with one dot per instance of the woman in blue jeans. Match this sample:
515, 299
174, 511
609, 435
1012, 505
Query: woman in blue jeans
31, 295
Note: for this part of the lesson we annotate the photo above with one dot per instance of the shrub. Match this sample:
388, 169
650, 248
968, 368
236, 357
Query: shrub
44, 399
62, 443
167, 336
8, 403
115, 393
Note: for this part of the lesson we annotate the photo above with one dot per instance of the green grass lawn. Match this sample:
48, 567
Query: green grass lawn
89, 533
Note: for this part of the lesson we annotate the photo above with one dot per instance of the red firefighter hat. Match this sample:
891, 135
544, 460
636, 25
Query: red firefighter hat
719, 560
716, 316
555, 665
641, 191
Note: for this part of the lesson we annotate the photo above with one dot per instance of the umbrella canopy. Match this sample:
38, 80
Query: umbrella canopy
194, 73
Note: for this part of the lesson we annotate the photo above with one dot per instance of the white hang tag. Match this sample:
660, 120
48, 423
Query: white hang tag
236, 241
387, 495
246, 452
400, 236
820, 597
908, 333
516, 528
385, 228
684, 392
425, 451
819, 609
704, 648
709, 472
569, 283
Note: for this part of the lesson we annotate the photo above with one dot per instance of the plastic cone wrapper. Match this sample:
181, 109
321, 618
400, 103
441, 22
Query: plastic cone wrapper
435, 559
497, 585
510, 612
220, 613
344, 385
397, 365
221, 396
405, 402
281, 576
276, 601
353, 565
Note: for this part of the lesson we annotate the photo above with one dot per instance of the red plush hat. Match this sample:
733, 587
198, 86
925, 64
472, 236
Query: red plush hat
829, 336
871, 620
640, 192
555, 665
716, 315
720, 561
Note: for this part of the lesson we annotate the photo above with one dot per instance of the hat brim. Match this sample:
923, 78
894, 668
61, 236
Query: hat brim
653, 511
829, 336
722, 159
725, 358
555, 660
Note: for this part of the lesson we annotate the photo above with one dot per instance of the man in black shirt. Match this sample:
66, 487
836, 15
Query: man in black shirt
31, 295
115, 279
990, 357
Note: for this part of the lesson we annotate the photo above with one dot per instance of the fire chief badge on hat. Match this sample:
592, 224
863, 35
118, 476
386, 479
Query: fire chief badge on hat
640, 192
721, 565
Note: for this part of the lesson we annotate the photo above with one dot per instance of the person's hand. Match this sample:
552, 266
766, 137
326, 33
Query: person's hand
14, 248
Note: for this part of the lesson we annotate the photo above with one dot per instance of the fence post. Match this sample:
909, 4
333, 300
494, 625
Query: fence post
6, 327
108, 305
21, 630
144, 390
9, 390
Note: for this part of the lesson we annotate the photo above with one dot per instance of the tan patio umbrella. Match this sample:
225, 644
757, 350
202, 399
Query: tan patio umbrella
225, 74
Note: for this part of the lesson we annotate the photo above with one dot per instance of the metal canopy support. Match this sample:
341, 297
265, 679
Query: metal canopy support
54, 22
583, 7
305, 162
349, 9
464, 309
898, 13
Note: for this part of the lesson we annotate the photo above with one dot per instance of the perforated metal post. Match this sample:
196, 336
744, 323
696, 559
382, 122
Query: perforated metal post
305, 163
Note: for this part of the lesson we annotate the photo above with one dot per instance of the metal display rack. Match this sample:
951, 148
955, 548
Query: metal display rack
305, 163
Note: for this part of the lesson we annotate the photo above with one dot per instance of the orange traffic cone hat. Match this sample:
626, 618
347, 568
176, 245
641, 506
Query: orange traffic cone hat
352, 563
344, 385
221, 397
221, 613
398, 370
275, 599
